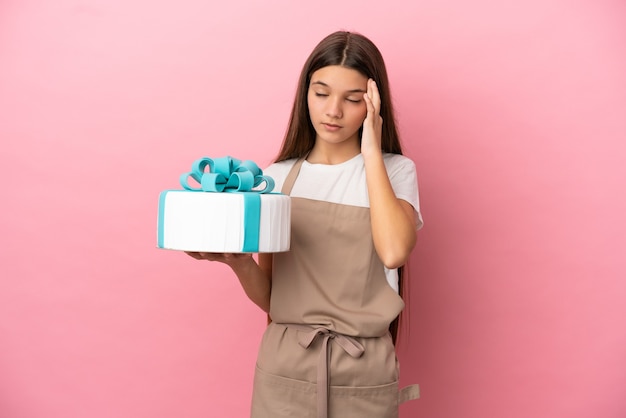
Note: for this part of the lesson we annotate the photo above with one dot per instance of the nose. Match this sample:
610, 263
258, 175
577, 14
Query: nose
333, 108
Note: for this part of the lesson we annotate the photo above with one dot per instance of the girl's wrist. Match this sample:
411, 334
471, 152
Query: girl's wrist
240, 262
371, 154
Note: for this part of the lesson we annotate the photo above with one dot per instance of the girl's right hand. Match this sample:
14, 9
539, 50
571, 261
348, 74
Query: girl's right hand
230, 259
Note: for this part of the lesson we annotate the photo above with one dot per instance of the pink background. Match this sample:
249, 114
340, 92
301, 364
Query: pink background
514, 112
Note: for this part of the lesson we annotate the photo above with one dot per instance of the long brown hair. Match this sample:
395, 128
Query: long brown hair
354, 51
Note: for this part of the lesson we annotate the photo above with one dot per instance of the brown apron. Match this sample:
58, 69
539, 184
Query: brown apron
328, 351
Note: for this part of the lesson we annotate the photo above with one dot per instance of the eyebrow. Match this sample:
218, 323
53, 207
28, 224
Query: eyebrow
321, 83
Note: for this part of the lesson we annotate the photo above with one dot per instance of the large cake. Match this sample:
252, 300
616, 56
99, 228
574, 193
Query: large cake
228, 213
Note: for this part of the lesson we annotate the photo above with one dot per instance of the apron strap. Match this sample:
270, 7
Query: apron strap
291, 177
409, 393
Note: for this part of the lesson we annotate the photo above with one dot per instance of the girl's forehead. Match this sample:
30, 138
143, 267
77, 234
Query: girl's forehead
339, 77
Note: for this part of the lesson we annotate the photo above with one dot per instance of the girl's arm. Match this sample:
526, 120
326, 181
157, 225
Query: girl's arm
255, 278
393, 219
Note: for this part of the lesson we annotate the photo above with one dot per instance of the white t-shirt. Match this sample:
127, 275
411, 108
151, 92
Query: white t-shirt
345, 184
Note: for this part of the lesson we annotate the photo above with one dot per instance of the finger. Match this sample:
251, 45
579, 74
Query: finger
199, 255
368, 104
375, 95
371, 109
213, 256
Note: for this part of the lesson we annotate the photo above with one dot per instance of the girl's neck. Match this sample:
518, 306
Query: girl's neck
325, 153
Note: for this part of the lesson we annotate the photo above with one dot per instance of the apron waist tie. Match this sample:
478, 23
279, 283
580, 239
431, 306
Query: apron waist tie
349, 344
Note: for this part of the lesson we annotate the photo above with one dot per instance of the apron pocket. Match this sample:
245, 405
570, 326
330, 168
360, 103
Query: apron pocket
282, 397
367, 402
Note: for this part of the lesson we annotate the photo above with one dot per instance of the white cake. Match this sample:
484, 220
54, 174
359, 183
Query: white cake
223, 223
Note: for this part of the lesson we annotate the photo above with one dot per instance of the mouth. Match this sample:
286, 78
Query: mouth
331, 126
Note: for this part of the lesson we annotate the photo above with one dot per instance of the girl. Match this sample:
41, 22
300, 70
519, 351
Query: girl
328, 351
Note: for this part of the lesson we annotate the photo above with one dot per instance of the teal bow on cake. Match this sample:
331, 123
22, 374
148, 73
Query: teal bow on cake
226, 174
230, 175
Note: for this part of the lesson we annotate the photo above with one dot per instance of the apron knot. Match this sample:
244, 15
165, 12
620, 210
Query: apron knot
309, 334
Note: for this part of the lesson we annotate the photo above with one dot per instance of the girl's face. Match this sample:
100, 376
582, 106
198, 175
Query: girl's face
336, 105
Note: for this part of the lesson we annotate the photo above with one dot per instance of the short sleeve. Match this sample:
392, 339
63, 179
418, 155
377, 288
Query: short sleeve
278, 172
403, 178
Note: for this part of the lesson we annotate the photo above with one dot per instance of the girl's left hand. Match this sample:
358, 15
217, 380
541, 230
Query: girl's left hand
373, 123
